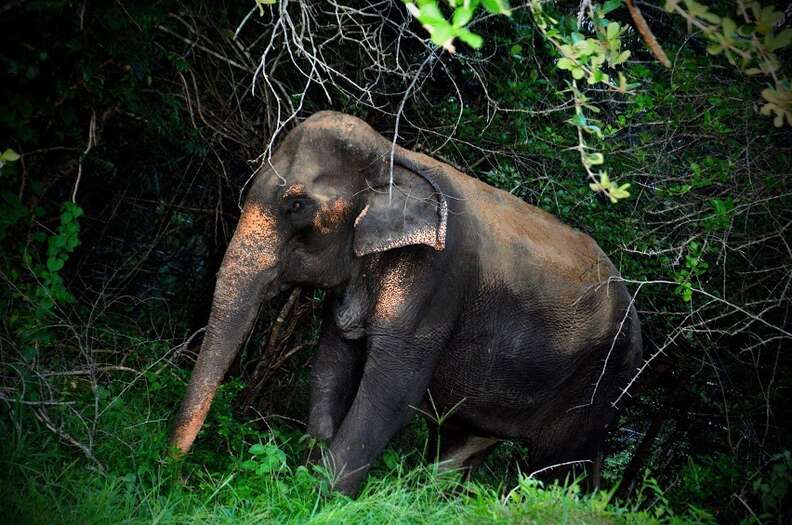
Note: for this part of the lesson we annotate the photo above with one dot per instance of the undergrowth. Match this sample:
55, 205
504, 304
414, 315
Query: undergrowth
245, 471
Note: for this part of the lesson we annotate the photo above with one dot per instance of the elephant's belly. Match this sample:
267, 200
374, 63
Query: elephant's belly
494, 391
503, 373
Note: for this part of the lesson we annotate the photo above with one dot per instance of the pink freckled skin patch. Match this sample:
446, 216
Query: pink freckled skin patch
254, 248
294, 190
186, 432
331, 216
255, 241
393, 291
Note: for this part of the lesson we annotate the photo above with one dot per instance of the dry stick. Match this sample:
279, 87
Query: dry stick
642, 368
398, 118
535, 472
259, 373
205, 49
41, 415
281, 360
112, 368
284, 313
184, 346
647, 35
564, 464
35, 403
91, 142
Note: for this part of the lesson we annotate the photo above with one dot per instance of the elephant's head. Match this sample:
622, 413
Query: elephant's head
321, 202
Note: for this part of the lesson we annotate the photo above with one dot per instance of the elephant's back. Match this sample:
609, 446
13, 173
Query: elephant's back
521, 242
562, 288
542, 286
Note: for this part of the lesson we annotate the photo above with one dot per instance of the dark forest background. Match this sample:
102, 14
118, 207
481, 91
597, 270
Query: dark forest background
136, 126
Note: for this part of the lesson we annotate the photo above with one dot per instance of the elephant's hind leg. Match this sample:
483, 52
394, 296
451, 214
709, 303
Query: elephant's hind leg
462, 450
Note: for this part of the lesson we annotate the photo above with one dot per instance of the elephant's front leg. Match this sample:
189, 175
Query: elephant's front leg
335, 375
394, 380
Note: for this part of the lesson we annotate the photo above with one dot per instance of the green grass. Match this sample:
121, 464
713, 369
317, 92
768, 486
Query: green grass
70, 493
237, 474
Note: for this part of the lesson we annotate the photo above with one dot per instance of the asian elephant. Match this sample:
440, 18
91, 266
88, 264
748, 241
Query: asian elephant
444, 294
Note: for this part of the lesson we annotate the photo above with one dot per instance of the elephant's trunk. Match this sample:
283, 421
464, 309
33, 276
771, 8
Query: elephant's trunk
247, 275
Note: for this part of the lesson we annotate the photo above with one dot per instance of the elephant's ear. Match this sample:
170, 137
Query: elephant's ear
414, 211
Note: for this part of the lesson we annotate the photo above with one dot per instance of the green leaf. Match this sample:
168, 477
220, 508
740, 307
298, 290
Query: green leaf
391, 459
714, 49
604, 183
610, 5
622, 58
617, 193
9, 155
273, 459
70, 207
588, 46
257, 449
597, 76
54, 264
729, 26
578, 120
568, 51
593, 159
613, 30
767, 19
701, 11
462, 16
593, 130
472, 39
746, 29
497, 7
430, 14
442, 34
782, 39
72, 243
565, 63
779, 101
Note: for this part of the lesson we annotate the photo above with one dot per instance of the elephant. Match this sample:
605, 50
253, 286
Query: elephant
445, 297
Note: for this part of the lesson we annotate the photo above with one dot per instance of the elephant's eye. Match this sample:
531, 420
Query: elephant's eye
298, 205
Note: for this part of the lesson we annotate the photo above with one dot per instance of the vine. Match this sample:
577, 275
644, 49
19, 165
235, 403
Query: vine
35, 276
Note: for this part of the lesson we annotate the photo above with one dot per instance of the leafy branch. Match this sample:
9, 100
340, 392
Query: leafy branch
585, 57
588, 157
581, 57
749, 45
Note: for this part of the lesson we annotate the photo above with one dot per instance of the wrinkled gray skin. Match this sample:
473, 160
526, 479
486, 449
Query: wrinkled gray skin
445, 294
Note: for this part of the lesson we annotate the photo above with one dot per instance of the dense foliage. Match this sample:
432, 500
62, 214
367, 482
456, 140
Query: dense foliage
129, 132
